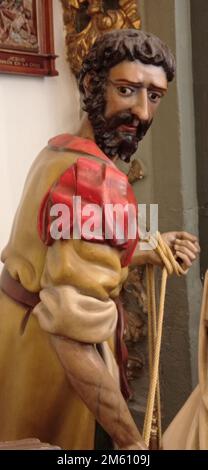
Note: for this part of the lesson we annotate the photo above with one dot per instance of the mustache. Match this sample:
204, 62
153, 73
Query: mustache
122, 118
128, 119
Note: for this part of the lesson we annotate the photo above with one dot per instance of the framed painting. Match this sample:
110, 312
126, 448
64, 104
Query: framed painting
26, 37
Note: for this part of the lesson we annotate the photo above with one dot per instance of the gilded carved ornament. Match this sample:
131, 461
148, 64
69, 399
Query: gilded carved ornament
86, 20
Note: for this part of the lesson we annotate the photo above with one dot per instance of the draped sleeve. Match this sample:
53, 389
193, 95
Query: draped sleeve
80, 277
78, 284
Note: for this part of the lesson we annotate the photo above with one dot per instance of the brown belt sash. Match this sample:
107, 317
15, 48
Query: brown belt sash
122, 351
19, 294
16, 291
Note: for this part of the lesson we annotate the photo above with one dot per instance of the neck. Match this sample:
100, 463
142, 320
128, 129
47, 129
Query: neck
86, 130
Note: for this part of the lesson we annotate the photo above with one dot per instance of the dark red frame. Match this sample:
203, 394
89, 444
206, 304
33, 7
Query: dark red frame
40, 63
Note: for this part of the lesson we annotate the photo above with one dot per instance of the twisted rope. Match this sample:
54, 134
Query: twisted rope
155, 324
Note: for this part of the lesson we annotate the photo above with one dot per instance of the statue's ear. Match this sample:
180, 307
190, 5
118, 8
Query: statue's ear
87, 83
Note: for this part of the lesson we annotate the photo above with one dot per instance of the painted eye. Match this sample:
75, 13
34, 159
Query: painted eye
125, 91
154, 96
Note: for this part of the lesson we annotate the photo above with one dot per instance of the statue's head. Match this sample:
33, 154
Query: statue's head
123, 79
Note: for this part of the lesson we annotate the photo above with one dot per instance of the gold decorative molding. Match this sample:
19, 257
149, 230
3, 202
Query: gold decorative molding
134, 299
85, 21
136, 171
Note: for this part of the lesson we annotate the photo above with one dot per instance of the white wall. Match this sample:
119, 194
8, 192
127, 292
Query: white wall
31, 111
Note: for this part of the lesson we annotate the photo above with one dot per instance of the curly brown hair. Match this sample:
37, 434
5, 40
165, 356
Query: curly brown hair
126, 44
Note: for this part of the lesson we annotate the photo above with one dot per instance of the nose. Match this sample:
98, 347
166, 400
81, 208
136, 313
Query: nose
141, 107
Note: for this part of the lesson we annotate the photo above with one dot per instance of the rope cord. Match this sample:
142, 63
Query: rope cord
152, 422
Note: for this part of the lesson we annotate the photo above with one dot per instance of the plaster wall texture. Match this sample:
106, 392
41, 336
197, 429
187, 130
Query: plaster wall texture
199, 20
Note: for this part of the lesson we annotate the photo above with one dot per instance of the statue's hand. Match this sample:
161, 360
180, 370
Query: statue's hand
184, 245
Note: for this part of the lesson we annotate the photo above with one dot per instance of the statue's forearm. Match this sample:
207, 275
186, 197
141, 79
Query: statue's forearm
90, 378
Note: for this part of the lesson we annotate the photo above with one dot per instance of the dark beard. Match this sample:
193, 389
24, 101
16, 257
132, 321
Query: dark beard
115, 142
107, 136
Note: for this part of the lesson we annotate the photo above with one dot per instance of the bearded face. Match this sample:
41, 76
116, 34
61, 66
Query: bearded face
121, 106
118, 135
